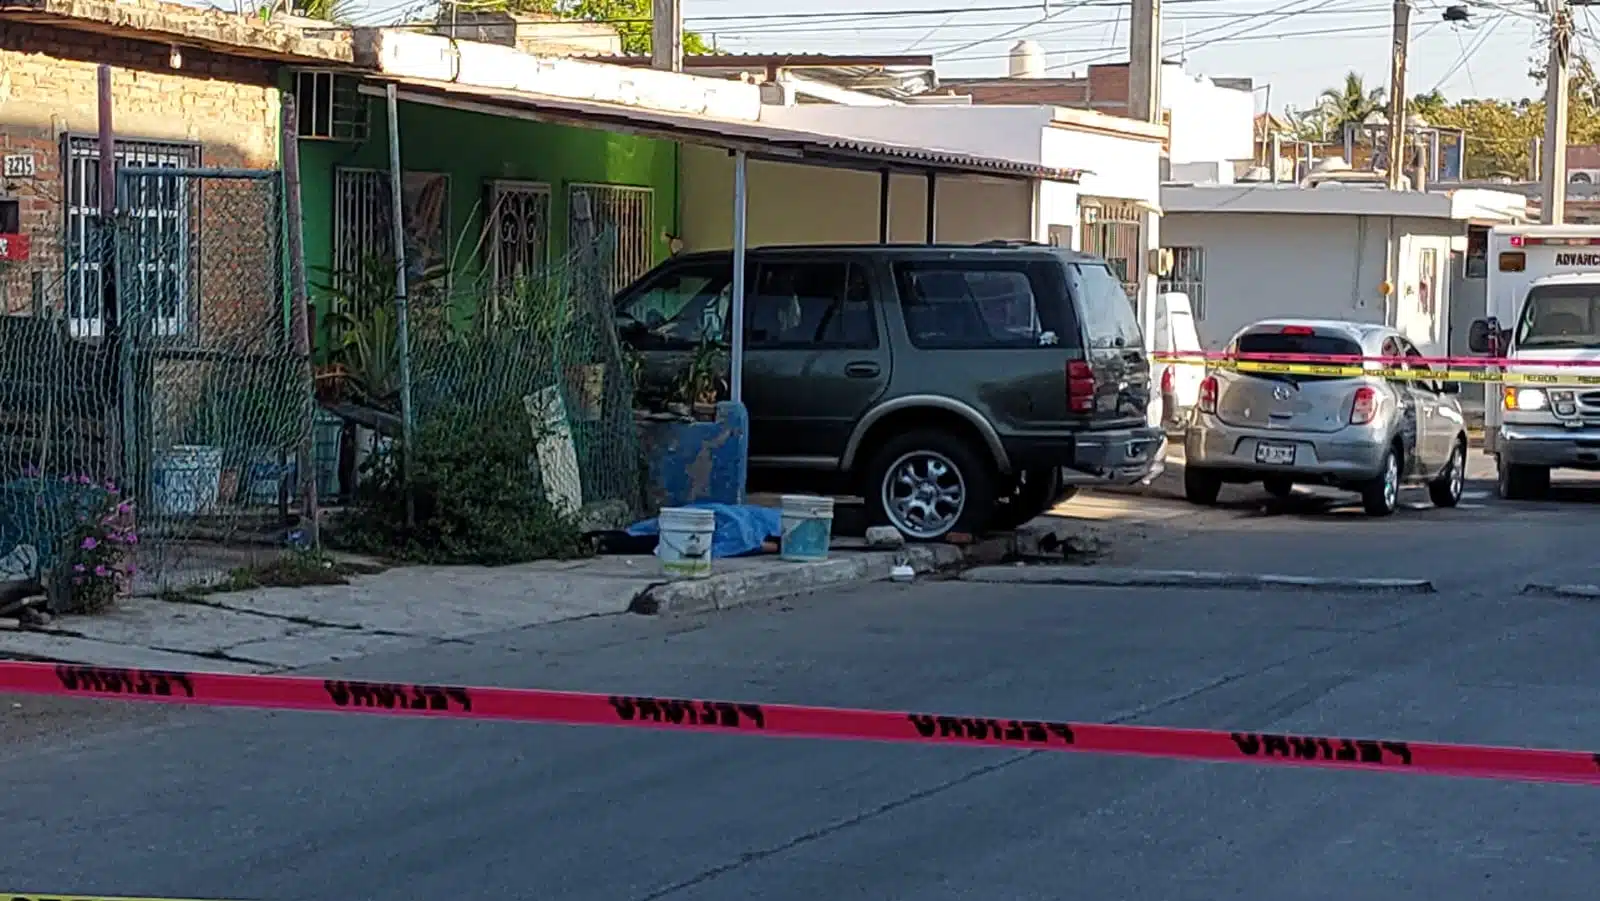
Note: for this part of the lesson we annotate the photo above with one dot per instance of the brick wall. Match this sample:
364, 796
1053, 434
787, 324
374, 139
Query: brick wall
48, 89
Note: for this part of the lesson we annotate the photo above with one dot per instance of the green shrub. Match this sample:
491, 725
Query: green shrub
476, 490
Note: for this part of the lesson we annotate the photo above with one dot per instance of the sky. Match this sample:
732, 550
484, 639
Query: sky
1292, 49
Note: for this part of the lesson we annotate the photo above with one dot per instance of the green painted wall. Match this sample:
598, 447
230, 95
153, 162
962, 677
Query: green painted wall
475, 148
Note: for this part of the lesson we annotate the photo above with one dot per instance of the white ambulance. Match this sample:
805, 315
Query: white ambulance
1543, 307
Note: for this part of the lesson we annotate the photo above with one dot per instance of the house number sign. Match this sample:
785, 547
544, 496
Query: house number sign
18, 165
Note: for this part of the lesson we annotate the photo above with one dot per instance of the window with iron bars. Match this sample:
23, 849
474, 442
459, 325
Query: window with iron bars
1110, 230
361, 223
1187, 274
518, 225
161, 213
622, 217
329, 107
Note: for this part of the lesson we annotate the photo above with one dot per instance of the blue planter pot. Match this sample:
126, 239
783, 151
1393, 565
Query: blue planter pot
697, 462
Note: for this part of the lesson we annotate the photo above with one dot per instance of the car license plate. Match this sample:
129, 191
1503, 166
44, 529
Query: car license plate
1275, 454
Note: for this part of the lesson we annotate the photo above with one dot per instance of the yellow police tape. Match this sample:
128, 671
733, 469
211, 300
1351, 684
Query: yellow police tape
36, 896
1415, 375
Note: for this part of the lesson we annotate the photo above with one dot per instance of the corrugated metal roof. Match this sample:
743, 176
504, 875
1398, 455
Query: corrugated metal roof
753, 137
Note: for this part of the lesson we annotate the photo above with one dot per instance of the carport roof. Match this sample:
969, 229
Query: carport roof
763, 141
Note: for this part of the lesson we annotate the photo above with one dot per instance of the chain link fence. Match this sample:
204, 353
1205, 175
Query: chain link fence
150, 396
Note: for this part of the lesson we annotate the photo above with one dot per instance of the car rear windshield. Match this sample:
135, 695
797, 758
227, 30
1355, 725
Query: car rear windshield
1108, 318
1279, 343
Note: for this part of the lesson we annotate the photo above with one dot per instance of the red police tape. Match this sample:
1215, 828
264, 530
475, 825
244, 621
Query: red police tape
790, 721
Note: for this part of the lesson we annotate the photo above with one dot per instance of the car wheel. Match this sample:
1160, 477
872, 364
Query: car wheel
1278, 486
1519, 483
928, 484
1036, 492
1445, 491
1200, 487
1381, 495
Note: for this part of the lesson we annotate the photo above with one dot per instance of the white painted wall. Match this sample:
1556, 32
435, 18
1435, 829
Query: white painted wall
795, 204
1209, 123
1296, 264
416, 55
1008, 132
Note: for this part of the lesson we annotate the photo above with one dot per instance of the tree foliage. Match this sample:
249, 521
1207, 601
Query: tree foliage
1500, 133
631, 19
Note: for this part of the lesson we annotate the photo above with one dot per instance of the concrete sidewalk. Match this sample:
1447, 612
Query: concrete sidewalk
268, 629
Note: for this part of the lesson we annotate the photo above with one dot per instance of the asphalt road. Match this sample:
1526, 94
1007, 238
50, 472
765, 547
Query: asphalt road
306, 807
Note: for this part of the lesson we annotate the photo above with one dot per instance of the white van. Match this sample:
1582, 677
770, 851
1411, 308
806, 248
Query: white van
1180, 382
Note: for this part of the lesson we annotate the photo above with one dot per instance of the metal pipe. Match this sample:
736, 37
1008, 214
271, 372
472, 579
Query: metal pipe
736, 354
883, 206
401, 302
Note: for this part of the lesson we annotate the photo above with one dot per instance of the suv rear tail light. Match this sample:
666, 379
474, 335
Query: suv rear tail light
1364, 406
1166, 379
1080, 387
1208, 394
1299, 330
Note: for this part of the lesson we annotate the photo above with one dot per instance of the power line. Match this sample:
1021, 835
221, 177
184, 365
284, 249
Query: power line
781, 28
1468, 50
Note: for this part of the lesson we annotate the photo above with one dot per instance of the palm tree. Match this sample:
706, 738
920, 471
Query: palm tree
1351, 104
338, 11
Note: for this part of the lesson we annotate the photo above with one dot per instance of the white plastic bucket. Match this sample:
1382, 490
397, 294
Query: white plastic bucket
807, 527
186, 479
685, 542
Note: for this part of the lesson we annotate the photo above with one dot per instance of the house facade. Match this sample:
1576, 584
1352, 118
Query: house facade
1248, 252
181, 98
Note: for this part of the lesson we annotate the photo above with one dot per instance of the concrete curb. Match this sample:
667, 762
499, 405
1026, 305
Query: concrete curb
1109, 577
737, 589
1577, 592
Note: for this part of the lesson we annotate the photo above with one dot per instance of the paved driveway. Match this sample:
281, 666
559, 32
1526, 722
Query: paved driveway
305, 807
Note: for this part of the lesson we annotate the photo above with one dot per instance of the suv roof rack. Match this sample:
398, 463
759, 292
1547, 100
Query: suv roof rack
1010, 242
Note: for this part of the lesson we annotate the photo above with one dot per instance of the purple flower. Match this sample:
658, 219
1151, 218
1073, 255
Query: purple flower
132, 538
89, 543
101, 571
111, 486
79, 567
125, 508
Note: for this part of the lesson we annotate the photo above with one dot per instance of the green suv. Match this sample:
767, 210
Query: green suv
954, 388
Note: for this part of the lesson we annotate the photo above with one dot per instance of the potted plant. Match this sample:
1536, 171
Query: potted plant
704, 381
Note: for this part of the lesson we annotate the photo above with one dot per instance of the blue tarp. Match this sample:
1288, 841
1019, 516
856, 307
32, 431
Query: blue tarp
741, 528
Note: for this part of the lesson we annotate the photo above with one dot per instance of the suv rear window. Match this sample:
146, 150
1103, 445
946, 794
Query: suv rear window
1108, 318
977, 305
1278, 343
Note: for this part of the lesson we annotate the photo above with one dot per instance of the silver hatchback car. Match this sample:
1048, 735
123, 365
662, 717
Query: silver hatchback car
1368, 434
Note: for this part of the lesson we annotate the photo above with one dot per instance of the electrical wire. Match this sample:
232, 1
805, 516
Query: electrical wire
793, 29
1467, 51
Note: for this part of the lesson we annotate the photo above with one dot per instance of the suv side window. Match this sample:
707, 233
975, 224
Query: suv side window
810, 304
678, 308
960, 304
1108, 318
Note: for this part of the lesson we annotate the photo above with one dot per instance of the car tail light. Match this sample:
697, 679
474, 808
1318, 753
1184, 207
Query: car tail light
1080, 387
1299, 330
1364, 406
1208, 394
1166, 380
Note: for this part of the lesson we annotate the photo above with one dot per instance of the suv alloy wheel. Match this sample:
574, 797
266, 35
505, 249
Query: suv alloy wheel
928, 484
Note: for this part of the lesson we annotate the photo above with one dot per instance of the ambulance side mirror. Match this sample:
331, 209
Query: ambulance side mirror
1478, 336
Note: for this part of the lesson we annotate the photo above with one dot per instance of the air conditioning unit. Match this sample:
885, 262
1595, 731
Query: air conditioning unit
1583, 176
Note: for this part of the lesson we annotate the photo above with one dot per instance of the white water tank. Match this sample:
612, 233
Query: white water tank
1026, 60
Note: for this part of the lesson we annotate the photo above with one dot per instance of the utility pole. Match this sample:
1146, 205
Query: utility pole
1144, 61
1553, 202
1144, 104
1397, 95
666, 35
